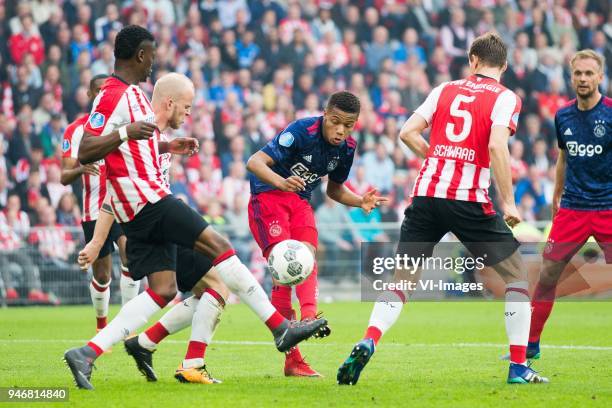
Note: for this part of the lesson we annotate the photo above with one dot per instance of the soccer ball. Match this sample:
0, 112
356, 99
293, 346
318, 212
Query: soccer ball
290, 262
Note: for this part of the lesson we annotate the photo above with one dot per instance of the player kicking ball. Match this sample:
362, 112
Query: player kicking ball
286, 171
582, 200
94, 191
471, 120
121, 130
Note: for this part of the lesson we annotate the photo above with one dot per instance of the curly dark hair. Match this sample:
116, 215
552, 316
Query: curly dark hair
345, 101
129, 40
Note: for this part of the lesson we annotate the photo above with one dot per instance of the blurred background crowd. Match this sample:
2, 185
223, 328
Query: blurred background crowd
258, 65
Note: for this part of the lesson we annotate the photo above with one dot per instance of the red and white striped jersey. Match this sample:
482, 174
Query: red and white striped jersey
133, 171
9, 240
94, 187
461, 114
52, 241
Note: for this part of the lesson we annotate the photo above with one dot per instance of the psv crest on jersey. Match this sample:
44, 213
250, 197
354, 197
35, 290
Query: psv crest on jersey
97, 120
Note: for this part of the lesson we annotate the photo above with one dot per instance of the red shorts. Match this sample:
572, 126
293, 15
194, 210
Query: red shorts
275, 216
572, 228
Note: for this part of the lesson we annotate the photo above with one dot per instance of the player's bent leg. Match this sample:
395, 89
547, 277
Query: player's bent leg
127, 286
385, 313
542, 302
241, 282
132, 315
99, 289
205, 320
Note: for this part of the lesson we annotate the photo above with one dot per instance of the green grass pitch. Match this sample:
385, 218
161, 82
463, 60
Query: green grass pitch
438, 354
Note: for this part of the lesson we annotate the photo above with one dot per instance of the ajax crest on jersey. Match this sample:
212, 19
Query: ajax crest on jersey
96, 120
600, 128
331, 166
275, 229
290, 262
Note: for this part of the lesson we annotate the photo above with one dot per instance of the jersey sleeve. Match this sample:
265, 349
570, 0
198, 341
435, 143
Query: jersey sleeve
506, 111
559, 135
341, 173
285, 144
428, 108
72, 139
110, 110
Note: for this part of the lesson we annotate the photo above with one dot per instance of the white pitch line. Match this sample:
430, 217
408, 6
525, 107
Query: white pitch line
269, 343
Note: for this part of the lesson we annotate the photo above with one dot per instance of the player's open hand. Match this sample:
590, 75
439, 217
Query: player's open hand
511, 215
88, 255
141, 130
371, 200
293, 184
184, 145
91, 169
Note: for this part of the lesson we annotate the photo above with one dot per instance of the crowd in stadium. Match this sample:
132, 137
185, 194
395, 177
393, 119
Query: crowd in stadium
258, 65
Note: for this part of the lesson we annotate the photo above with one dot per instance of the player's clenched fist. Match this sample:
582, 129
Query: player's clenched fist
511, 215
88, 255
141, 130
292, 184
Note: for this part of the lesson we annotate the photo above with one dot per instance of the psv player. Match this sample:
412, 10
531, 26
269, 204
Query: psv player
94, 191
471, 120
121, 130
194, 271
286, 171
582, 200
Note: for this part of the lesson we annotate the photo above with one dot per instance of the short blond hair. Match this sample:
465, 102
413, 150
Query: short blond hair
588, 54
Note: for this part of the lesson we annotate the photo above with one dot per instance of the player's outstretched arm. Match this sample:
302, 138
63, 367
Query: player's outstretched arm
410, 134
105, 220
94, 147
340, 193
500, 163
260, 165
559, 182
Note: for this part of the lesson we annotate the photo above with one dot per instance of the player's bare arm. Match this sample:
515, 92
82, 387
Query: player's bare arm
500, 163
186, 146
559, 182
71, 170
260, 165
411, 135
367, 202
89, 254
94, 148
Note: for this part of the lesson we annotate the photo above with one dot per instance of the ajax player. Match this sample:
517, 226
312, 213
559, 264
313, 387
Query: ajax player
286, 171
94, 191
471, 120
582, 201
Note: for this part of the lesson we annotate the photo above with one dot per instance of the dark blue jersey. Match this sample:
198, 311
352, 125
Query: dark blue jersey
586, 137
301, 150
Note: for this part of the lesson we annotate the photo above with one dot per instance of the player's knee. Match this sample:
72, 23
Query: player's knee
167, 291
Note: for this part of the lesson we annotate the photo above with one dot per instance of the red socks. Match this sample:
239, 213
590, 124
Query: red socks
373, 333
307, 293
542, 304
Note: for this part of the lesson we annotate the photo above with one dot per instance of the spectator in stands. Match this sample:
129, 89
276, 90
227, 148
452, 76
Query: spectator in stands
16, 267
455, 38
379, 168
27, 40
68, 212
53, 242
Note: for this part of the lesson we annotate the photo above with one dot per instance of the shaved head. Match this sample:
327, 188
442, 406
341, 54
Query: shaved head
172, 98
172, 85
